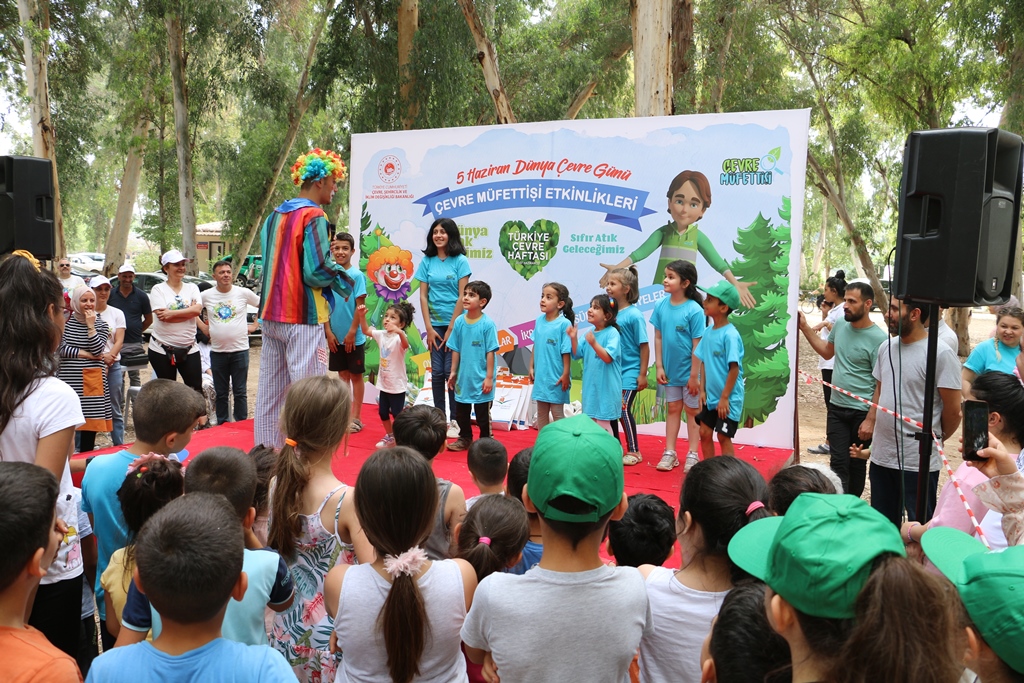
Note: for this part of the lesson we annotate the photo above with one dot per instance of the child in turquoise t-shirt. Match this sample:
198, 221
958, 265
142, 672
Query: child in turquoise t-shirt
635, 352
720, 353
549, 364
602, 374
473, 341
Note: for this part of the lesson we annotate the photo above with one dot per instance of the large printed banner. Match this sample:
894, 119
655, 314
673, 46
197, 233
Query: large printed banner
559, 201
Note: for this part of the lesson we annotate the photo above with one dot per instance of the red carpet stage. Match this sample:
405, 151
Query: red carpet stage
640, 478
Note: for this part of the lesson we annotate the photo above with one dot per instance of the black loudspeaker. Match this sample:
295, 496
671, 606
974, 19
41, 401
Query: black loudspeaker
959, 215
26, 206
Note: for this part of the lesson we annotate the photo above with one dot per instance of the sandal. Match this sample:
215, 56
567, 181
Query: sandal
632, 458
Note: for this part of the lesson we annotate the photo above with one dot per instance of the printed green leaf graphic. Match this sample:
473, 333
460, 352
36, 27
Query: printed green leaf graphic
528, 250
775, 153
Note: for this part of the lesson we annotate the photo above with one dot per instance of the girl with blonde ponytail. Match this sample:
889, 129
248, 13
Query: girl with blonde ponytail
313, 522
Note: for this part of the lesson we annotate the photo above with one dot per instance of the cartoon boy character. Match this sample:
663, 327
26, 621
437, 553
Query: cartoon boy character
689, 196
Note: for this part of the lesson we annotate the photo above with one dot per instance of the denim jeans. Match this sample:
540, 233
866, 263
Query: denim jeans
115, 394
886, 493
230, 372
440, 368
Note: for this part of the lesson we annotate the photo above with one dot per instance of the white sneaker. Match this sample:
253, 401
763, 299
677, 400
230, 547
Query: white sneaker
387, 442
669, 461
691, 460
453, 430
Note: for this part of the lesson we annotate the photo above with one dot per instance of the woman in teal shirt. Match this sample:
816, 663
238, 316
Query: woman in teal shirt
689, 196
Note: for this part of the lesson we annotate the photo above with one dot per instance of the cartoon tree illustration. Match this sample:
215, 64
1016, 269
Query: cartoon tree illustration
763, 251
388, 270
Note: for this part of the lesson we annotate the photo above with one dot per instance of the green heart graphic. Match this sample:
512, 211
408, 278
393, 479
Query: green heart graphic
528, 250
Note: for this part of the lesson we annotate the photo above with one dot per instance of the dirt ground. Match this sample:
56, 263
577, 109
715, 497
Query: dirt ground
810, 402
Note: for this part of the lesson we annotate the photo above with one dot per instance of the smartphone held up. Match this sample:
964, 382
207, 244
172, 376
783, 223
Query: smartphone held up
975, 432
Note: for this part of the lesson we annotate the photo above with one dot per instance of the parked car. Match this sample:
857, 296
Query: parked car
252, 269
86, 275
88, 260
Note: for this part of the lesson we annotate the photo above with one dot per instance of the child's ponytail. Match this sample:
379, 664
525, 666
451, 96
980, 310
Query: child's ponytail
687, 272
562, 292
723, 495
314, 420
493, 534
396, 502
152, 482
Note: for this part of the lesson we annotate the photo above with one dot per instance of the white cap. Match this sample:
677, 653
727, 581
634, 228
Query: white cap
173, 256
98, 281
126, 268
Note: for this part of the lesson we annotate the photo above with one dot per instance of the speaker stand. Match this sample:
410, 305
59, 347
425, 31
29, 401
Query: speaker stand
925, 436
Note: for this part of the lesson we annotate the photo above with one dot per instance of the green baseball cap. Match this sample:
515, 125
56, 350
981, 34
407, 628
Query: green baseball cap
991, 586
819, 555
575, 457
725, 292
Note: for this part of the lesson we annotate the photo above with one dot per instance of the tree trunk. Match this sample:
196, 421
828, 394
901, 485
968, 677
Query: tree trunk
960, 321
588, 90
682, 45
727, 22
819, 248
860, 250
298, 109
408, 22
186, 196
489, 63
35, 20
652, 56
117, 238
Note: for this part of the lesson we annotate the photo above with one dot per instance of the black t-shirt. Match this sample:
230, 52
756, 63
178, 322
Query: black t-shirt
135, 307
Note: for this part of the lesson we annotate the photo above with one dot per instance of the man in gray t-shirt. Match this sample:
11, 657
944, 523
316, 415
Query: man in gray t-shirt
900, 378
854, 343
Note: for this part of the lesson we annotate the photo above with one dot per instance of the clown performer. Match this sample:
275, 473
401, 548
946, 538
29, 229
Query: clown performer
689, 196
298, 273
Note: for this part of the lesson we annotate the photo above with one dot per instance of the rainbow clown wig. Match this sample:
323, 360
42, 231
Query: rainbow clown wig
316, 165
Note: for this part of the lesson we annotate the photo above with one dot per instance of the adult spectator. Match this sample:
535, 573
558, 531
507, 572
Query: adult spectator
38, 417
138, 315
82, 366
226, 307
900, 379
297, 267
853, 342
112, 355
68, 281
176, 305
442, 274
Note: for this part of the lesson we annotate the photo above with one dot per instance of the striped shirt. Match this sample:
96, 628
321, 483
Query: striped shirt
87, 377
298, 267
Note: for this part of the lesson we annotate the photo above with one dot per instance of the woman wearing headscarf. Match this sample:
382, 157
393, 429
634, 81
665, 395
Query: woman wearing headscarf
82, 366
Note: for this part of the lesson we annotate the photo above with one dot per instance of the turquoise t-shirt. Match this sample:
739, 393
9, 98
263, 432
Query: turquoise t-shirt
442, 280
983, 358
100, 483
856, 351
679, 326
473, 341
632, 333
602, 382
345, 310
717, 350
550, 341
219, 660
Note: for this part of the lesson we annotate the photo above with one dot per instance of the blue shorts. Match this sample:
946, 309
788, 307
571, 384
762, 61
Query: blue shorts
673, 394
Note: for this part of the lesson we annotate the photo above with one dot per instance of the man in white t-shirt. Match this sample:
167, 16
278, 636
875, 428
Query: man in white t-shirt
226, 307
68, 281
112, 354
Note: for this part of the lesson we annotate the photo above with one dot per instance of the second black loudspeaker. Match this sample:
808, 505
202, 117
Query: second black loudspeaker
26, 206
959, 216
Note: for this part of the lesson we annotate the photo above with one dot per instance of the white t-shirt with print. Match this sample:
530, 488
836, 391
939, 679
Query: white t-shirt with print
49, 408
392, 377
225, 312
181, 333
71, 283
114, 319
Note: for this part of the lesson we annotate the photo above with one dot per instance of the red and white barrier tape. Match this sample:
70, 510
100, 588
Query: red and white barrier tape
913, 423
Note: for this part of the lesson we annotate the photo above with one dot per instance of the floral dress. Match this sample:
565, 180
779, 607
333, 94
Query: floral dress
302, 633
